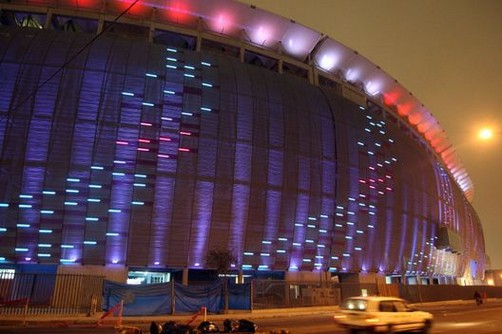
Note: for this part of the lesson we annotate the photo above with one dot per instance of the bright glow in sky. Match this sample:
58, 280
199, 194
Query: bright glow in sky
485, 134
448, 54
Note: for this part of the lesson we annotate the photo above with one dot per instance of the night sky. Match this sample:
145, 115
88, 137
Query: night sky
448, 53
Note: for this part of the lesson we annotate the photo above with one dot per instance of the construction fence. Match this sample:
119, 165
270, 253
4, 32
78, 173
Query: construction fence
62, 294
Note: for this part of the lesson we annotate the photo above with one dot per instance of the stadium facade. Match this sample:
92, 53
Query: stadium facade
141, 135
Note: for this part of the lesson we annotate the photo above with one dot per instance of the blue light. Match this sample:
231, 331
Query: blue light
73, 191
139, 185
205, 109
171, 59
25, 206
96, 186
112, 234
97, 167
247, 266
114, 210
23, 225
205, 84
248, 253
324, 216
47, 212
70, 203
148, 104
71, 179
3, 229
281, 251
4, 205
171, 66
127, 94
184, 113
91, 219
90, 242
67, 246
94, 200
169, 92
118, 174
138, 203
25, 196
43, 255
21, 249
45, 231
120, 162
205, 63
171, 50
67, 260
188, 67
282, 239
44, 245
151, 75
48, 192
189, 75
266, 242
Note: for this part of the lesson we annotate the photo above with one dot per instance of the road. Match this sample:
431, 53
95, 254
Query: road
449, 319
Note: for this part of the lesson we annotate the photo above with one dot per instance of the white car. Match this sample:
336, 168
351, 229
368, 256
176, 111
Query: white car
381, 315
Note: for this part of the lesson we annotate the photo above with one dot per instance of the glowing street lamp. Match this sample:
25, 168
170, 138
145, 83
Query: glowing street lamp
485, 134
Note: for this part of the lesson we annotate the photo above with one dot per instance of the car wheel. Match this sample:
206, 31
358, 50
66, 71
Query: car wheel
427, 327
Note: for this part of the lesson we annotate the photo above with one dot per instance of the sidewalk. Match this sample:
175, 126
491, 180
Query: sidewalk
41, 320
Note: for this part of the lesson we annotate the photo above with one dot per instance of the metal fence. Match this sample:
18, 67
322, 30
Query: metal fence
30, 294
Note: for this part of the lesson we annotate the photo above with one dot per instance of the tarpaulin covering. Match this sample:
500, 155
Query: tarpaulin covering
239, 296
192, 298
151, 299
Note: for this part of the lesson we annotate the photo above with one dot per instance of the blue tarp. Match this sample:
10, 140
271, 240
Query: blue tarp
192, 298
239, 296
151, 299
156, 299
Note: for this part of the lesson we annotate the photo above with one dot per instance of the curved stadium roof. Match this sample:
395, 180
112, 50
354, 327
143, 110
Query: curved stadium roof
272, 33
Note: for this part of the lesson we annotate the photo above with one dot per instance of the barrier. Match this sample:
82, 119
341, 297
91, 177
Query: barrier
203, 310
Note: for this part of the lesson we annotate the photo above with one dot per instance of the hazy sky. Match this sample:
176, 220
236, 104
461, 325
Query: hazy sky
448, 53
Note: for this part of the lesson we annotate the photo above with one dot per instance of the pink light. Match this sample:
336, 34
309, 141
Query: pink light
146, 124
362, 181
185, 133
164, 139
142, 149
261, 35
118, 142
182, 149
389, 189
163, 156
144, 140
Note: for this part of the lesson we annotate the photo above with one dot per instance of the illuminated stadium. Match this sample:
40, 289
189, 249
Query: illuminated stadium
142, 135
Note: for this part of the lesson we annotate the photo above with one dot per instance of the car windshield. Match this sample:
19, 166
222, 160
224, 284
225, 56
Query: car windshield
355, 305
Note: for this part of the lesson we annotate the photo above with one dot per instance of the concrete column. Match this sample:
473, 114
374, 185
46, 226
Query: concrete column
184, 279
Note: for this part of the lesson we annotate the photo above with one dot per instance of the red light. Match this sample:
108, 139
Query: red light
178, 12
